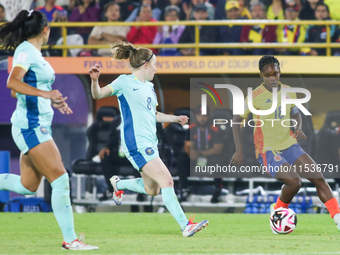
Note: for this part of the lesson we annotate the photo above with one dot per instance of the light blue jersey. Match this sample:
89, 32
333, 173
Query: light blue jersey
137, 103
32, 111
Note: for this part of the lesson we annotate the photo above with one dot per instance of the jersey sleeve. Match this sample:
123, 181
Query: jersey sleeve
23, 59
116, 86
246, 109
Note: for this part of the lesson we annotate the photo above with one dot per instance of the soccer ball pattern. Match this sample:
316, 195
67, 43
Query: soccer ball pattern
283, 221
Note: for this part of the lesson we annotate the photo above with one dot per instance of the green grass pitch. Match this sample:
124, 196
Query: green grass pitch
152, 233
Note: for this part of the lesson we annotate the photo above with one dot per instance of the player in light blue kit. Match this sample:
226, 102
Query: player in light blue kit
137, 102
31, 82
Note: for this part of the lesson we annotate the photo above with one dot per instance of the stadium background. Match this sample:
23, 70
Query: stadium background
318, 74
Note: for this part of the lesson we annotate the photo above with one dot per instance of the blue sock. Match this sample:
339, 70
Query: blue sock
136, 185
173, 206
12, 182
62, 208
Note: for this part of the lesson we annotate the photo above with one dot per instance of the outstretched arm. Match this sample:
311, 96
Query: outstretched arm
96, 90
161, 117
237, 159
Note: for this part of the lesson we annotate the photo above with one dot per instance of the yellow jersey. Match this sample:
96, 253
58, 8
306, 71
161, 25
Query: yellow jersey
270, 134
272, 16
334, 7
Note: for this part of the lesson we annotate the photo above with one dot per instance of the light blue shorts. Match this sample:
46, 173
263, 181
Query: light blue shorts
140, 157
26, 139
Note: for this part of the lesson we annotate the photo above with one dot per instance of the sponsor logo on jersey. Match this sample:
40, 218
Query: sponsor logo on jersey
43, 130
149, 151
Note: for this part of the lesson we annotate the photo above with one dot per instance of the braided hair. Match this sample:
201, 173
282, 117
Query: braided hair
266, 60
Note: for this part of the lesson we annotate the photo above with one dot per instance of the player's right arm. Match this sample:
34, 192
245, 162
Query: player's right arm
96, 90
16, 84
237, 158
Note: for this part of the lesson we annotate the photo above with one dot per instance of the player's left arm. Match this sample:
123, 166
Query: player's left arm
295, 113
162, 117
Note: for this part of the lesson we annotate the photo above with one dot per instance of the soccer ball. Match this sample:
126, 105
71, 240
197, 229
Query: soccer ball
283, 221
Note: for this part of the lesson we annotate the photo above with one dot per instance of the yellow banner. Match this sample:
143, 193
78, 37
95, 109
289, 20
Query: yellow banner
203, 65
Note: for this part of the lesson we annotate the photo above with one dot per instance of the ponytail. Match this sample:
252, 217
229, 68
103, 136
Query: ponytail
26, 25
125, 50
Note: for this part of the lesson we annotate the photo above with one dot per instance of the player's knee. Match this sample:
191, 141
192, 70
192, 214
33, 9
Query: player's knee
318, 181
297, 182
61, 183
170, 182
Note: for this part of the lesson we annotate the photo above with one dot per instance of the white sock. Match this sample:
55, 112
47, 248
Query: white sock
336, 218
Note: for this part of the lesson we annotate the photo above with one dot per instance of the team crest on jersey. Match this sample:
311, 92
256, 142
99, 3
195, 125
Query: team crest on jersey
277, 158
149, 151
43, 130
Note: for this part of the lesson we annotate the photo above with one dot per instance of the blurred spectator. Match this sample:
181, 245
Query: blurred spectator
109, 34
126, 7
231, 33
55, 34
2, 14
275, 10
208, 34
178, 3
245, 13
334, 8
258, 33
318, 34
143, 34
156, 12
12, 7
202, 147
57, 39
3, 19
62, 3
88, 11
220, 13
71, 5
49, 9
291, 33
189, 8
220, 10
308, 10
169, 34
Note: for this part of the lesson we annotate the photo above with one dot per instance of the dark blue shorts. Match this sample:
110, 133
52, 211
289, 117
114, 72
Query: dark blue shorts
273, 160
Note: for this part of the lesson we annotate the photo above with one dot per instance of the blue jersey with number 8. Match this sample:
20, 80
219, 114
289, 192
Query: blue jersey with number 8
137, 104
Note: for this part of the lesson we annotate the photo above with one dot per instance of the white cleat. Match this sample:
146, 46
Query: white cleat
117, 194
78, 245
193, 227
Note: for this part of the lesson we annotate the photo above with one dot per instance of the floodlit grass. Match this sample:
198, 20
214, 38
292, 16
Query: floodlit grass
152, 233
